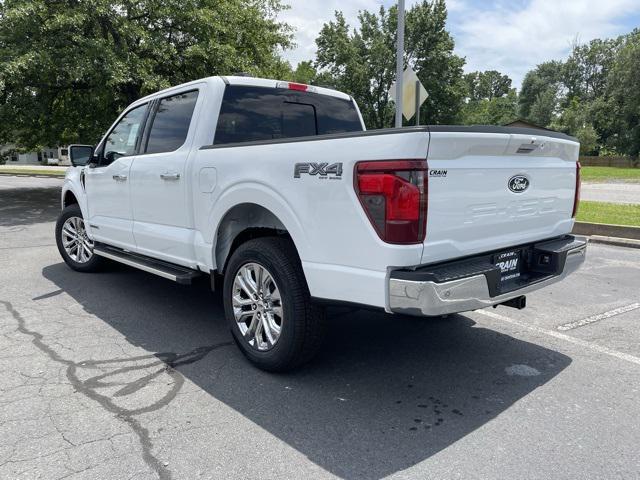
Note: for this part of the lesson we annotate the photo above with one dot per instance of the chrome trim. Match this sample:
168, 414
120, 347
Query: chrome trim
135, 264
465, 294
170, 176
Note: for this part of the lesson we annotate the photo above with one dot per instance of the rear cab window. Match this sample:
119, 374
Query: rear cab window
170, 123
251, 113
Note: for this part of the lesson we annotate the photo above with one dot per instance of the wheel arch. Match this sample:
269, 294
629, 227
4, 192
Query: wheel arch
243, 222
69, 198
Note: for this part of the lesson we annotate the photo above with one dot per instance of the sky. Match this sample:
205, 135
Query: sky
511, 36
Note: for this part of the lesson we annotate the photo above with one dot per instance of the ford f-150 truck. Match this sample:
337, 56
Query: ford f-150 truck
279, 190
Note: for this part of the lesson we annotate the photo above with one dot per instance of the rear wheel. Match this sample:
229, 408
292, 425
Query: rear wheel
74, 245
268, 307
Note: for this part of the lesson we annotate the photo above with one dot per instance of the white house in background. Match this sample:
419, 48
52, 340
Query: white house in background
46, 156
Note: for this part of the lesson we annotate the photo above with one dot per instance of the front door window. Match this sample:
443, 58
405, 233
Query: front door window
121, 142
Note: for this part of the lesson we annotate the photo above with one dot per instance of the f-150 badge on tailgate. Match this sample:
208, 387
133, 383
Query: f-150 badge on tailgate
322, 170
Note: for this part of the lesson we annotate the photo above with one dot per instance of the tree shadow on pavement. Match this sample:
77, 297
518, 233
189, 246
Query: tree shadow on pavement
26, 206
386, 392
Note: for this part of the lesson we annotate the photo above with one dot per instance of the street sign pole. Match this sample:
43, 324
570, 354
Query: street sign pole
399, 63
417, 102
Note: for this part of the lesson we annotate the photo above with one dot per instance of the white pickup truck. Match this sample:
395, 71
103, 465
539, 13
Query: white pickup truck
277, 188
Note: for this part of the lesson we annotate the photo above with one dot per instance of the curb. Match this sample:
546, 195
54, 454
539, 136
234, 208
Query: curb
615, 241
32, 175
621, 232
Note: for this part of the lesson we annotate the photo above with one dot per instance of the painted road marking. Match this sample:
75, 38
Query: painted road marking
561, 336
597, 318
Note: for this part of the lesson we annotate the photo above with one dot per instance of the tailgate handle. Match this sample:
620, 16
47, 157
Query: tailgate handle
170, 176
532, 146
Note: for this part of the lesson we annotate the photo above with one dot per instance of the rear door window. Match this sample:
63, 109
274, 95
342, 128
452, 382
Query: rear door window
258, 113
171, 122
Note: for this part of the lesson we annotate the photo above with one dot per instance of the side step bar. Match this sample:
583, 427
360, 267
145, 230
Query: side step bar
167, 270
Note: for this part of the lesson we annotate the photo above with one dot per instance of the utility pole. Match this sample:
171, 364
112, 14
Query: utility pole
399, 63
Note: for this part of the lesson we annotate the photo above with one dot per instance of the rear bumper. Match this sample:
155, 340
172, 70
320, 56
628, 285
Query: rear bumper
473, 283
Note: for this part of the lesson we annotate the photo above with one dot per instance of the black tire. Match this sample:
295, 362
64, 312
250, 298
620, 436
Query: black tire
94, 263
303, 323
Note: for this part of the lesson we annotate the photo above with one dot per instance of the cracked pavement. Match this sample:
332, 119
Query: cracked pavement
123, 375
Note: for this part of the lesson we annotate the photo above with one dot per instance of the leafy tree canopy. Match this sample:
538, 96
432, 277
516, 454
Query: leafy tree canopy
495, 111
487, 85
68, 67
593, 95
361, 61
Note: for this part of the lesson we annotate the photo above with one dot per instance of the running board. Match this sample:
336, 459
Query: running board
163, 269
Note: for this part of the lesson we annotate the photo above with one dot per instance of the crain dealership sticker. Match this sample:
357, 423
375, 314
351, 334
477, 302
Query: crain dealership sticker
437, 173
508, 263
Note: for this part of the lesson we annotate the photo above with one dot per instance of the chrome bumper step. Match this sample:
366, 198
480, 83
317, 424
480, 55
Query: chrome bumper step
473, 283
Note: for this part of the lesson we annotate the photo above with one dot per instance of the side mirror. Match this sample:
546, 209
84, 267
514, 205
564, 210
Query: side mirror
80, 155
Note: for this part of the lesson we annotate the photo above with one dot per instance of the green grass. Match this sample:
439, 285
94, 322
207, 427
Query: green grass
32, 171
611, 213
610, 174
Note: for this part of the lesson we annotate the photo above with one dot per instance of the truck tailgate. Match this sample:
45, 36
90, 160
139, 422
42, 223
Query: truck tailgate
493, 190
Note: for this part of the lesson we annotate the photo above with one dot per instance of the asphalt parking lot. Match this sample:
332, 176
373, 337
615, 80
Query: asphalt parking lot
122, 375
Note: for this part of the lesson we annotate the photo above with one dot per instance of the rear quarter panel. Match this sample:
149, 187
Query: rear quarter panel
342, 256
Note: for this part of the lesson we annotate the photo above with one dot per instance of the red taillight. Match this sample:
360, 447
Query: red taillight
576, 198
393, 194
298, 86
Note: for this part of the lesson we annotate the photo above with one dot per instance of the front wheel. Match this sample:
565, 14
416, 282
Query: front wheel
75, 247
268, 307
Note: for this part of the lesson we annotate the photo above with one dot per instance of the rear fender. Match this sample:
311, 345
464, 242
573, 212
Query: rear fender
265, 197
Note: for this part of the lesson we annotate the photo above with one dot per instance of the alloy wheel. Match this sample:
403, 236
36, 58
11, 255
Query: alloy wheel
75, 241
257, 306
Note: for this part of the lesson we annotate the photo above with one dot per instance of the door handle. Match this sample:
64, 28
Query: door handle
170, 176
120, 178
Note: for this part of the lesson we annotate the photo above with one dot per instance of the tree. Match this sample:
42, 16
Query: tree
619, 112
496, 111
585, 72
490, 100
576, 120
362, 61
68, 68
540, 95
305, 72
593, 95
430, 53
487, 85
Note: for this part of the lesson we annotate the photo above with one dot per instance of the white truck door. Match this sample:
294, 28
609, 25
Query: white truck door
162, 218
108, 183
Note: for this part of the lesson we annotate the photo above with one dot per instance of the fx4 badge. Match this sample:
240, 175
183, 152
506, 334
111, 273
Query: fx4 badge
322, 170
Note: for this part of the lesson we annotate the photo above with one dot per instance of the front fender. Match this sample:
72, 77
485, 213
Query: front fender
73, 184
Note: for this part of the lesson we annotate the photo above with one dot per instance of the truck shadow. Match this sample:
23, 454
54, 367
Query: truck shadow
386, 393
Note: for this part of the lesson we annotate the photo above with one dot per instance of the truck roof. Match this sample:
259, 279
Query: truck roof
252, 81
265, 82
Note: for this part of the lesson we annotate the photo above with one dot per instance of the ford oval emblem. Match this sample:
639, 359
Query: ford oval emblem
518, 183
